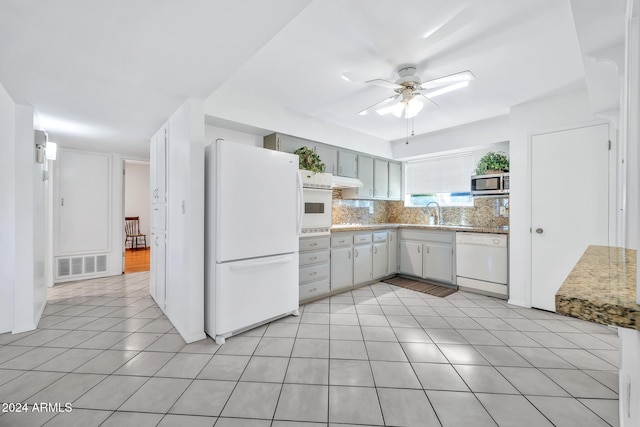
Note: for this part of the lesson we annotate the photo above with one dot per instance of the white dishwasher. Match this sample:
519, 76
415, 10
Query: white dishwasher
482, 263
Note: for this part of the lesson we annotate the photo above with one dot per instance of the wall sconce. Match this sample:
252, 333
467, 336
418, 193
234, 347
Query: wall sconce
41, 143
45, 149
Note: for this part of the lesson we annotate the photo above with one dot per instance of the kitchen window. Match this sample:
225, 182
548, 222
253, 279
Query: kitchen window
458, 199
443, 179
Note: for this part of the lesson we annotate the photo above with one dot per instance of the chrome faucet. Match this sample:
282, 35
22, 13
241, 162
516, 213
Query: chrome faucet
426, 210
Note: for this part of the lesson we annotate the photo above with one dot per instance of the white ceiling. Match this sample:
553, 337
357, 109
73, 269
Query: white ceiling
106, 75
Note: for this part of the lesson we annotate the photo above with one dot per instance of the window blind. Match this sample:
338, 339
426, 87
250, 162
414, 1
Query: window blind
443, 174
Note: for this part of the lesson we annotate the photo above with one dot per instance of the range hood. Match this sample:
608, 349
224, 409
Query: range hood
344, 182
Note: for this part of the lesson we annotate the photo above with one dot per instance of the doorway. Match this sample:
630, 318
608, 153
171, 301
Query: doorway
569, 204
137, 204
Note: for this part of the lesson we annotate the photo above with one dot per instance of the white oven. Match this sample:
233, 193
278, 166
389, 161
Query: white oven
317, 195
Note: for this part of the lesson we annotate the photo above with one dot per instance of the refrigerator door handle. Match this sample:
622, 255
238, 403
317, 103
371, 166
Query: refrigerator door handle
300, 203
254, 264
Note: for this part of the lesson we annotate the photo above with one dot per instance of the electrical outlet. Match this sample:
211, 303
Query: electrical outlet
504, 211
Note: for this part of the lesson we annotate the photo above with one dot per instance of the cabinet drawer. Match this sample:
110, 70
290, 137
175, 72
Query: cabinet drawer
313, 243
359, 239
316, 257
314, 273
338, 241
314, 289
380, 236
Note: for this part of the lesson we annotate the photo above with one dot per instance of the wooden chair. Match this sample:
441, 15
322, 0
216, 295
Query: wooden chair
132, 230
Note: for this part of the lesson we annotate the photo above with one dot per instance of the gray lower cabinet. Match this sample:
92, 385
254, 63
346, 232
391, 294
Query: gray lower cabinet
362, 263
341, 267
394, 247
315, 267
428, 254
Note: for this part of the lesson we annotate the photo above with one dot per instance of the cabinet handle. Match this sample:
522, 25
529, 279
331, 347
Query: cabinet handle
375, 250
427, 249
391, 237
313, 244
370, 192
340, 169
355, 253
349, 257
418, 249
375, 192
313, 273
312, 290
62, 201
156, 241
312, 258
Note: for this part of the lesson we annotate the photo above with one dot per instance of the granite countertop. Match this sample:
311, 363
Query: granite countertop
445, 227
602, 288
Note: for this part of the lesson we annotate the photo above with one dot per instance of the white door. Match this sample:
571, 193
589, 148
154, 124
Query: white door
569, 204
83, 202
258, 202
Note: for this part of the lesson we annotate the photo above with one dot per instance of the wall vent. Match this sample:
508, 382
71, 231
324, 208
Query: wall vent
67, 267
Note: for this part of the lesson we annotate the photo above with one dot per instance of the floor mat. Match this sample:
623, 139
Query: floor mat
425, 288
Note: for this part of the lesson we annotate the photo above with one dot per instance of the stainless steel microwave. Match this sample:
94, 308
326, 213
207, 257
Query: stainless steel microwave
487, 185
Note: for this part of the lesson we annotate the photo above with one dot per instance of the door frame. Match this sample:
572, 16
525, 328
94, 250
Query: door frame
123, 160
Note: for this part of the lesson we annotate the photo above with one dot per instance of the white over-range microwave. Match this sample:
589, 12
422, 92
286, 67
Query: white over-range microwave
317, 195
487, 185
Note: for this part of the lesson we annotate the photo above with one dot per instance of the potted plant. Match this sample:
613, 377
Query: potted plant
309, 160
492, 163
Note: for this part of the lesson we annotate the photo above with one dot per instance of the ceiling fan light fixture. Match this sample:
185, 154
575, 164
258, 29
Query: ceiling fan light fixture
448, 89
413, 107
398, 109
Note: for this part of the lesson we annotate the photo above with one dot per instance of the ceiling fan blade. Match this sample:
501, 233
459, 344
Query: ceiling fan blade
384, 83
463, 76
398, 106
377, 104
429, 105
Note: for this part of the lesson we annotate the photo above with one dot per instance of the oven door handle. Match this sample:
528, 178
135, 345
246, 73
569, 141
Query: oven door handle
300, 203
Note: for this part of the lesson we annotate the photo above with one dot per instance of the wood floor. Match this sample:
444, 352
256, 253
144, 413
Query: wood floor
136, 260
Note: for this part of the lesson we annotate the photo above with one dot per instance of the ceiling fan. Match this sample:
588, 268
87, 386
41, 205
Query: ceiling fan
412, 95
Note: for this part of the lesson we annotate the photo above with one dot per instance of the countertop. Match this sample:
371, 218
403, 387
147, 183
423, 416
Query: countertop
445, 227
601, 288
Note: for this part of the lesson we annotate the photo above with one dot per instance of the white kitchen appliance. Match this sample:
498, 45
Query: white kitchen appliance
317, 195
481, 263
253, 216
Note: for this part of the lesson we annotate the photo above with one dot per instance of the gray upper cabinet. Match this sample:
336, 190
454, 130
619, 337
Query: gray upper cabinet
328, 156
365, 174
395, 181
286, 143
347, 164
380, 179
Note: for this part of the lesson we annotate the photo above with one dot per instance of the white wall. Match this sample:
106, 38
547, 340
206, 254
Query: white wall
30, 288
185, 225
459, 138
23, 221
213, 132
7, 210
562, 111
136, 194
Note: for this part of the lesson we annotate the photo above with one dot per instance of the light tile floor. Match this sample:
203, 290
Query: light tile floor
378, 355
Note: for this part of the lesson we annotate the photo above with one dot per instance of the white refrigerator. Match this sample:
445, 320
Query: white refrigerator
253, 217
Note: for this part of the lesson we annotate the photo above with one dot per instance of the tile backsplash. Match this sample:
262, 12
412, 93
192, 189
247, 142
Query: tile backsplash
484, 213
